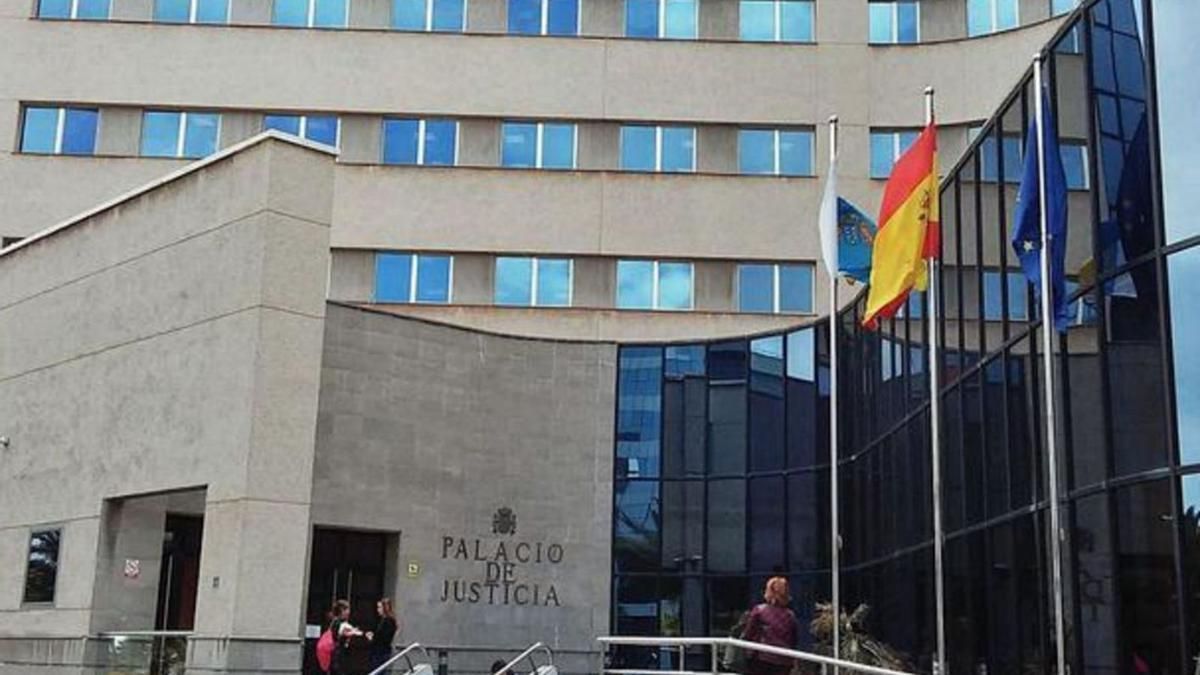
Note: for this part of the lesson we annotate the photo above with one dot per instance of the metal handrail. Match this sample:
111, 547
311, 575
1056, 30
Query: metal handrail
714, 642
527, 654
402, 654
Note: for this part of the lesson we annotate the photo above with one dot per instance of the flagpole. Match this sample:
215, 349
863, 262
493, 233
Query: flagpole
935, 438
1048, 330
835, 532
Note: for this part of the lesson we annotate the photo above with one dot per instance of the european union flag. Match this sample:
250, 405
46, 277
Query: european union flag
1027, 237
856, 235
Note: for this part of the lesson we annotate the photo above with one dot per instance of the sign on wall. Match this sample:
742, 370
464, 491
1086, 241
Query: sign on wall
504, 570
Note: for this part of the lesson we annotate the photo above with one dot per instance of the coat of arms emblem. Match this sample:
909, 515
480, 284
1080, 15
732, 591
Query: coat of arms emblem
504, 522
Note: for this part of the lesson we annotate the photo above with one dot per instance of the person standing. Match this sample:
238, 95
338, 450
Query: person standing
772, 623
385, 632
342, 631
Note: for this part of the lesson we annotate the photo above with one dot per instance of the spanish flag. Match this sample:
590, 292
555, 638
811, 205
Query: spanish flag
908, 231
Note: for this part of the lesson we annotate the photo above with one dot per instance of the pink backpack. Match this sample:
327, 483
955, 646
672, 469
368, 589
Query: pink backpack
325, 647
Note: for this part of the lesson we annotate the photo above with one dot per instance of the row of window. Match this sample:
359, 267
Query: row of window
890, 21
766, 288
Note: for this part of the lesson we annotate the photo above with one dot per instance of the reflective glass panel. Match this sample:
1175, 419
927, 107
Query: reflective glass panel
1177, 55
1074, 159
796, 153
322, 129
330, 13
290, 13
979, 17
636, 540
641, 18
433, 278
681, 19
408, 14
558, 146
881, 26
400, 141
756, 288
79, 131
756, 20
883, 148
554, 283
200, 136
449, 16
1190, 554
1184, 277
520, 145
796, 21
1015, 286
678, 148
92, 9
638, 148
908, 22
1006, 14
727, 526
393, 277
40, 130
160, 134
41, 572
54, 9
440, 141
796, 288
674, 285
514, 281
635, 284
212, 11
1062, 6
288, 124
525, 17
173, 11
756, 151
563, 17
639, 411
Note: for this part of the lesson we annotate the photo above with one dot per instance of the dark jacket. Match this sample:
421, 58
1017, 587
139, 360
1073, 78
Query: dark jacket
775, 626
385, 632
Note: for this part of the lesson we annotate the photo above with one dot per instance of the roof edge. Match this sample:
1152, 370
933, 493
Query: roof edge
167, 179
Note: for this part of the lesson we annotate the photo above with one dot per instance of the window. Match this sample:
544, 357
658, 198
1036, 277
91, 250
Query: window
653, 284
775, 152
60, 131
543, 17
443, 16
191, 11
1014, 286
1075, 164
674, 19
776, 20
413, 278
1062, 6
179, 134
990, 16
772, 289
73, 9
894, 22
422, 142
538, 145
988, 170
533, 282
646, 148
41, 573
312, 13
323, 129
886, 148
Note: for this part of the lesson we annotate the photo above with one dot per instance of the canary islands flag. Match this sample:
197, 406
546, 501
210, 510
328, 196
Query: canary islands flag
908, 232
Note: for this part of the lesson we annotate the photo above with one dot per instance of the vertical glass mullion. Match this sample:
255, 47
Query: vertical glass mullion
895, 22
61, 124
662, 18
775, 288
179, 140
74, 15
778, 7
658, 134
312, 12
421, 141
428, 19
413, 261
302, 129
544, 25
533, 279
1001, 192
654, 286
192, 11
538, 135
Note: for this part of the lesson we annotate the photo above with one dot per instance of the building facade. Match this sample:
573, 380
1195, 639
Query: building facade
511, 319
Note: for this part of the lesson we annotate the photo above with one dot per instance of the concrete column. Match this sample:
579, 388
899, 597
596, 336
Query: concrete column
599, 145
370, 13
479, 143
719, 20
250, 11
473, 279
713, 285
487, 16
120, 132
238, 126
352, 277
132, 10
132, 535
595, 282
362, 139
943, 21
717, 149
602, 18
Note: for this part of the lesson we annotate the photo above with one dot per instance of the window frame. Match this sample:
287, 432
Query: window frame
895, 7
655, 286
778, 22
538, 147
73, 15
303, 130
776, 286
428, 28
661, 33
658, 147
994, 18
777, 152
544, 19
421, 124
414, 260
60, 128
312, 14
33, 532
193, 9
181, 133
533, 281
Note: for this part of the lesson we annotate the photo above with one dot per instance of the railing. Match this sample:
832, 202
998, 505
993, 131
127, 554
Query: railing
145, 652
714, 645
528, 654
406, 655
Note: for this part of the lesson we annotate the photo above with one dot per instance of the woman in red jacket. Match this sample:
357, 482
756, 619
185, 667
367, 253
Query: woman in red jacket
772, 623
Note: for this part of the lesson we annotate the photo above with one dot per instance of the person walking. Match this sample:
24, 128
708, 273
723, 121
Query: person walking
385, 632
342, 631
772, 623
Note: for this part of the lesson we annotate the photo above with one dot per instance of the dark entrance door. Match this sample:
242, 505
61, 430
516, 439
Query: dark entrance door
345, 565
180, 573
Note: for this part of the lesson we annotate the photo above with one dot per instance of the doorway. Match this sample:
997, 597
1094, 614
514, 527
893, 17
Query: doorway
345, 565
180, 575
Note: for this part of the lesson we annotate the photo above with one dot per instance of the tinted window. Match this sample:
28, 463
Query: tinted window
795, 288
433, 278
674, 285
795, 153
1178, 59
641, 18
756, 288
400, 141
441, 137
796, 21
41, 573
79, 131
200, 138
393, 277
638, 148
54, 9
288, 124
681, 19
908, 22
290, 13
160, 134
40, 130
563, 17
514, 281
525, 17
330, 13
635, 284
448, 16
756, 20
322, 129
92, 9
212, 11
173, 11
408, 14
678, 148
558, 146
554, 283
881, 20
1184, 276
520, 145
756, 151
